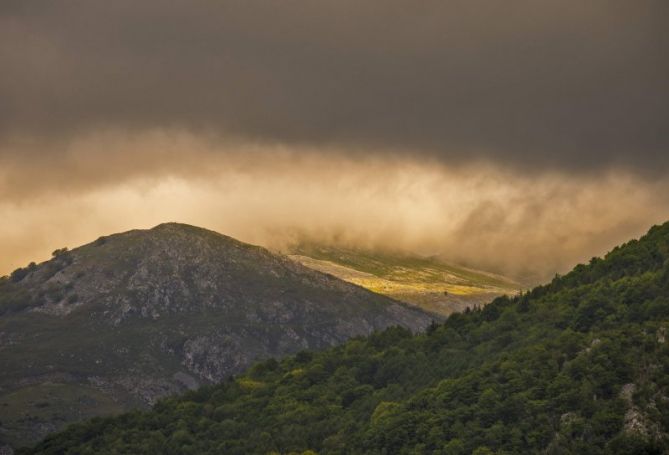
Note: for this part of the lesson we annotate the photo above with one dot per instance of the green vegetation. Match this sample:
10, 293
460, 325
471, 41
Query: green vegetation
580, 365
51, 402
13, 298
426, 282
395, 266
113, 325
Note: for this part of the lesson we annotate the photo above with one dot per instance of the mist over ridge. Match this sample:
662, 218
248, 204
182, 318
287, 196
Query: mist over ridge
480, 214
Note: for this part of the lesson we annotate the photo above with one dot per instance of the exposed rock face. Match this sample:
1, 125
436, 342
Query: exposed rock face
637, 420
139, 315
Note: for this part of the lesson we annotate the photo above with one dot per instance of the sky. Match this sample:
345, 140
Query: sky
517, 136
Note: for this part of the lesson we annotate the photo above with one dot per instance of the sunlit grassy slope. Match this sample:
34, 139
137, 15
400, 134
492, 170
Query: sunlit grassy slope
427, 282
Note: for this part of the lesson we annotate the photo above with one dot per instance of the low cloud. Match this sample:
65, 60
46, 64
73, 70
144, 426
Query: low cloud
520, 136
530, 225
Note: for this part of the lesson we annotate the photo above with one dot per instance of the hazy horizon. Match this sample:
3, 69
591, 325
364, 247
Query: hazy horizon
521, 137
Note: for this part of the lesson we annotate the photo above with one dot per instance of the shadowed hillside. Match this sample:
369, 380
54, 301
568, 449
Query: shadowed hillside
578, 366
132, 317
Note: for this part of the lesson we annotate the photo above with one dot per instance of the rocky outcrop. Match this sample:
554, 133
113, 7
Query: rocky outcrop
136, 316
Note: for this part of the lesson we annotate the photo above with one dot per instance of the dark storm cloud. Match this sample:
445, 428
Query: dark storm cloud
568, 84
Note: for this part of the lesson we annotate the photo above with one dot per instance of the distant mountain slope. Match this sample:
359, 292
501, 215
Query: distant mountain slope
578, 366
426, 282
131, 317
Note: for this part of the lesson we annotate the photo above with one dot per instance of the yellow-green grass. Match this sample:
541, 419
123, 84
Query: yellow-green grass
429, 283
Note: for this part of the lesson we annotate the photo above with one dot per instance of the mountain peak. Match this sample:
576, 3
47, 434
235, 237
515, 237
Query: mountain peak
146, 313
575, 366
173, 226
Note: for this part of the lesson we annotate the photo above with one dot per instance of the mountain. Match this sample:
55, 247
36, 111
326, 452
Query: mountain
577, 366
426, 282
132, 317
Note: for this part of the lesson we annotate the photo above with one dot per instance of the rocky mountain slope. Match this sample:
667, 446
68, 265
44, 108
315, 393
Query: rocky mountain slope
132, 317
426, 282
577, 366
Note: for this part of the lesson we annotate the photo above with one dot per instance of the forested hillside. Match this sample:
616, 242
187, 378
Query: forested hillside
580, 365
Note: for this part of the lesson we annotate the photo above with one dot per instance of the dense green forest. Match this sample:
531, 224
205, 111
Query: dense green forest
579, 365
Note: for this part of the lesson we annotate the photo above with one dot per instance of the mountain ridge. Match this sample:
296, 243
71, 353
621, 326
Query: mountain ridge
427, 282
579, 365
131, 317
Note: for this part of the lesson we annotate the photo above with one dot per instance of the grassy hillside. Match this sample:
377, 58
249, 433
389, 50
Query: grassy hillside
578, 366
118, 323
427, 282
